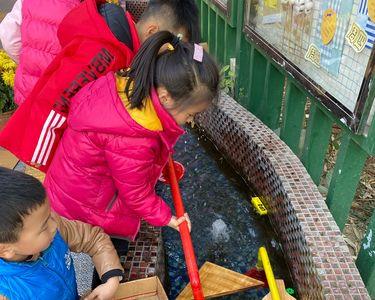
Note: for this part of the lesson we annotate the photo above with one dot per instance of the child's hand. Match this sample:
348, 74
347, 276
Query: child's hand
174, 222
105, 291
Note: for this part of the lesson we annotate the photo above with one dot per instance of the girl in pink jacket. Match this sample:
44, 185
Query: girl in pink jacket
121, 130
29, 35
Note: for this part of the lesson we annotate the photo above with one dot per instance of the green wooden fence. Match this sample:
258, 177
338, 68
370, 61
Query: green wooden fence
279, 100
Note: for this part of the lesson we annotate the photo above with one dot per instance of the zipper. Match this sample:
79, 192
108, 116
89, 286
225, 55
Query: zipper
45, 264
112, 202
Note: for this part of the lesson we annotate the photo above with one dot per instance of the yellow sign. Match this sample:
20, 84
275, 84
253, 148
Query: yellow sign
356, 37
371, 9
313, 55
271, 3
329, 24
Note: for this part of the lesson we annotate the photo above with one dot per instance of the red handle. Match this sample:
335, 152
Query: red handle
187, 244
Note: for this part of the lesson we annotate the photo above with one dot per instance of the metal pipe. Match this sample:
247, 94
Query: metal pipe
187, 244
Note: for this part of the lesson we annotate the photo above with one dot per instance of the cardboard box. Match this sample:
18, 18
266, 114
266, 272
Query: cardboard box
147, 289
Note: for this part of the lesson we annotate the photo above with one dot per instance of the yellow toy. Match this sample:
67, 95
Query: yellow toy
259, 206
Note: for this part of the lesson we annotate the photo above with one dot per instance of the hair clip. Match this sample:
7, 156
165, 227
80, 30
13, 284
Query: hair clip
175, 41
170, 47
198, 53
180, 36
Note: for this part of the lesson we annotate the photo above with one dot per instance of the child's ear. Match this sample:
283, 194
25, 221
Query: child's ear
165, 98
151, 29
6, 251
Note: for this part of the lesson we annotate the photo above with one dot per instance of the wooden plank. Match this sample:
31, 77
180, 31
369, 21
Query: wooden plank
230, 41
258, 79
273, 93
218, 281
227, 11
220, 39
367, 142
211, 31
204, 21
317, 139
260, 107
242, 48
348, 168
236, 12
243, 67
294, 111
147, 288
247, 100
366, 258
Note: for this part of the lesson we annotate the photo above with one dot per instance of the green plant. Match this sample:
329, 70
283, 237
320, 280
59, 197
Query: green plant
7, 71
227, 81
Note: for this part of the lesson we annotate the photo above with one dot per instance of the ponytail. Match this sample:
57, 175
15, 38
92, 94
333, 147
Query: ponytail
142, 71
188, 80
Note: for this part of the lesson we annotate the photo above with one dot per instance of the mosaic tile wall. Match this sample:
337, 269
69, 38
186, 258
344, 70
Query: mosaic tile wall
322, 267
145, 256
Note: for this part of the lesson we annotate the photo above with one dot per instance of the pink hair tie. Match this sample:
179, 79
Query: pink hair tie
198, 53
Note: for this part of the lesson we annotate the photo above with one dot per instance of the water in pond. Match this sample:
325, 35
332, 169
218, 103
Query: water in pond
225, 229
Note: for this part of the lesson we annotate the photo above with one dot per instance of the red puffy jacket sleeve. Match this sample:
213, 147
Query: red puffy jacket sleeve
133, 173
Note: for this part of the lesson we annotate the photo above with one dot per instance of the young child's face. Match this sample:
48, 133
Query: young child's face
38, 231
187, 115
181, 116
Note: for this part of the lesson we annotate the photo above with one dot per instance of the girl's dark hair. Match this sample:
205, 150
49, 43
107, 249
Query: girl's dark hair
187, 80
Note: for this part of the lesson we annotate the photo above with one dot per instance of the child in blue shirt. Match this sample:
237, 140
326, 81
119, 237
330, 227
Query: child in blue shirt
35, 245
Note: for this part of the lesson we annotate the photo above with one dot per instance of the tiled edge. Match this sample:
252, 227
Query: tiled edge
145, 254
319, 259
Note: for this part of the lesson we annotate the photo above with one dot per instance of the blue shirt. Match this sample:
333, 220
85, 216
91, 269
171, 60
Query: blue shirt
50, 277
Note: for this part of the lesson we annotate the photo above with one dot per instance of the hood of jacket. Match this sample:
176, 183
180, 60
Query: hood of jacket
102, 107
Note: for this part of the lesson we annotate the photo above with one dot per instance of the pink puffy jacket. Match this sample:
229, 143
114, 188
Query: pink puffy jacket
107, 164
38, 43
